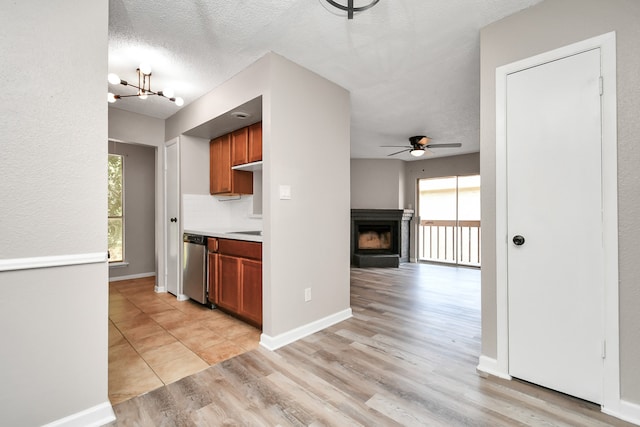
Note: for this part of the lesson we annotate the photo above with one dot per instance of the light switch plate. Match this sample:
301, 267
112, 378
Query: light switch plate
285, 192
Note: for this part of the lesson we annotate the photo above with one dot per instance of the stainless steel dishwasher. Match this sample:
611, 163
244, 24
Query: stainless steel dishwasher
194, 267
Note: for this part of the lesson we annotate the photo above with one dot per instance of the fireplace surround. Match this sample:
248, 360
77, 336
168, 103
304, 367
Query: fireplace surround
380, 237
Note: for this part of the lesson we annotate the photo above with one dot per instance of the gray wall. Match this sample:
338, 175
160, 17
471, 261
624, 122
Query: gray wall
541, 28
315, 223
134, 128
53, 166
392, 184
377, 184
194, 165
139, 210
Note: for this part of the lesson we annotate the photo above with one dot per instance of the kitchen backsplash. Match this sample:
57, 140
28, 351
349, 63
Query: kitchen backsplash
202, 211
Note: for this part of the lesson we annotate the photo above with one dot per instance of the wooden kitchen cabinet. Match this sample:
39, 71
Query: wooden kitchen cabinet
246, 145
212, 268
255, 143
228, 289
251, 290
222, 179
238, 279
240, 147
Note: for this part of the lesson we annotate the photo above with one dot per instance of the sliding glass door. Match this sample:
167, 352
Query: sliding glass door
449, 210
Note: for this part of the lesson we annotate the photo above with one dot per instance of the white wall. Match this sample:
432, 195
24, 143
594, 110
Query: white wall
377, 184
54, 189
546, 26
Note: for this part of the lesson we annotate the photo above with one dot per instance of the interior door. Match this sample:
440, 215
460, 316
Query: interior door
554, 205
172, 225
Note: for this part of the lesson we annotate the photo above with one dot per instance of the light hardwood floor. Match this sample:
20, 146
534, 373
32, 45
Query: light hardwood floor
407, 357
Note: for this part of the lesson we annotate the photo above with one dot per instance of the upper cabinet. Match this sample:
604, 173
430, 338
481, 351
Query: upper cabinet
255, 143
234, 149
246, 145
222, 179
240, 147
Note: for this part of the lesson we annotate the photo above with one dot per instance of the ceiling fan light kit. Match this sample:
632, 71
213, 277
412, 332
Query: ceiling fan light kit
143, 87
419, 146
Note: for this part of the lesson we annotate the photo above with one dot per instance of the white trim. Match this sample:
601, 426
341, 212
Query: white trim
118, 264
624, 410
274, 343
489, 365
159, 289
98, 415
165, 216
607, 45
52, 261
132, 276
182, 297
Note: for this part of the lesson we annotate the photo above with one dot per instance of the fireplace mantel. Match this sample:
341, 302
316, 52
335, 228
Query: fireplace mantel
390, 246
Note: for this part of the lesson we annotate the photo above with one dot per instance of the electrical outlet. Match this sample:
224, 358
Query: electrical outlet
307, 294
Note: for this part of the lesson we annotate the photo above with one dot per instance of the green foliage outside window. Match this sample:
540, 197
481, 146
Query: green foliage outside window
116, 220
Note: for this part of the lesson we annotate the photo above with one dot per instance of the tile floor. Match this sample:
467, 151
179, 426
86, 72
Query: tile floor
154, 339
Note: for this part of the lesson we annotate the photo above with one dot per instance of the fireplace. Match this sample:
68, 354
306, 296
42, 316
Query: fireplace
379, 237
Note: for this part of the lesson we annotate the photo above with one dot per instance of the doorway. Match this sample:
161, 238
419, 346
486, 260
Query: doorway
557, 280
449, 229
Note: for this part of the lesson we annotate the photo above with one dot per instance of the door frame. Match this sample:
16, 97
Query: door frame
611, 367
179, 295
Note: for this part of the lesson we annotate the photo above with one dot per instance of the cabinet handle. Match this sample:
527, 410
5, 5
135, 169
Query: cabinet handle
174, 220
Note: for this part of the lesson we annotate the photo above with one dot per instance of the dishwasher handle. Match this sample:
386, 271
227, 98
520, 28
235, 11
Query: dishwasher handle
196, 239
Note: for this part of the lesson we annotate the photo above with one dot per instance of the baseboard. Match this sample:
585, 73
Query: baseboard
95, 416
488, 365
160, 289
182, 297
625, 411
274, 343
52, 261
132, 276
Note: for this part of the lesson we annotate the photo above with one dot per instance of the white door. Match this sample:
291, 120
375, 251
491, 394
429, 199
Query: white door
172, 209
554, 202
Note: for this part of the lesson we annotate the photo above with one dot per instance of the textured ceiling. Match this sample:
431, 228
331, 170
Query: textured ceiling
412, 66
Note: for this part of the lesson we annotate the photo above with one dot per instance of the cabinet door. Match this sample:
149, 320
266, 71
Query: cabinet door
228, 280
220, 165
212, 270
240, 147
251, 291
255, 142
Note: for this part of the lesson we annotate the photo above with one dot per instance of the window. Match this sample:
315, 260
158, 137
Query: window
449, 210
116, 211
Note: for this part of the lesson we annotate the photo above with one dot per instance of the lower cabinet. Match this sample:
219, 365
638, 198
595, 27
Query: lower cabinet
251, 291
235, 279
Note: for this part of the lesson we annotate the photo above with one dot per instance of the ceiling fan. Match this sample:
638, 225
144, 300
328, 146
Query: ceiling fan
420, 144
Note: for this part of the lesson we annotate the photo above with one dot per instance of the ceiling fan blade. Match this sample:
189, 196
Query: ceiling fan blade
445, 145
401, 151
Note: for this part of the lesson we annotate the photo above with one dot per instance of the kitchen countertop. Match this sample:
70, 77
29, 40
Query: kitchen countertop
226, 234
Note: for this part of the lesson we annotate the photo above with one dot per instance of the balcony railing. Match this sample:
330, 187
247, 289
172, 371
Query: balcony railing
450, 241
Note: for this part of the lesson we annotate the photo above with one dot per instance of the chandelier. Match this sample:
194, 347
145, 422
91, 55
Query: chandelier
350, 8
143, 87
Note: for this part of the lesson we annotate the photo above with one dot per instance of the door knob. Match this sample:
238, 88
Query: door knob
518, 240
174, 220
